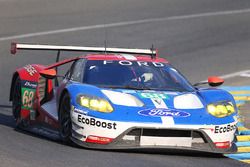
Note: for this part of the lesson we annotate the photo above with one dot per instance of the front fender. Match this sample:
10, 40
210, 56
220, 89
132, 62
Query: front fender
26, 73
75, 89
212, 95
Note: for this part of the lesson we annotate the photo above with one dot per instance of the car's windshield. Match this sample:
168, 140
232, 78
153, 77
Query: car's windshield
134, 75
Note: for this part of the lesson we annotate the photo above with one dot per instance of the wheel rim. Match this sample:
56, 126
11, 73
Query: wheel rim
65, 120
16, 100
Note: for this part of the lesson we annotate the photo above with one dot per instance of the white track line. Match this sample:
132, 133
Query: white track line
126, 23
244, 73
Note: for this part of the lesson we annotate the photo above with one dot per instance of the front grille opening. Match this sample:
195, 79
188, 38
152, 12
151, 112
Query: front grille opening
170, 137
131, 138
198, 137
166, 133
134, 132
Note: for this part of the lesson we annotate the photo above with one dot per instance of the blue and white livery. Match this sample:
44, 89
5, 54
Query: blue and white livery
132, 99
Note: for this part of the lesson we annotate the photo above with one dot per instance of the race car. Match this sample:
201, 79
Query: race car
117, 98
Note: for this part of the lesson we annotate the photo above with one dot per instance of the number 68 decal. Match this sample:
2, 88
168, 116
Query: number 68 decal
27, 98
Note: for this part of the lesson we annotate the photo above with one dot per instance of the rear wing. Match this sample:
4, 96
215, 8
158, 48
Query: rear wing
19, 46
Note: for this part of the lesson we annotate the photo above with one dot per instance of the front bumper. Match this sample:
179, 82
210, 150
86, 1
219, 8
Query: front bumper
96, 133
138, 138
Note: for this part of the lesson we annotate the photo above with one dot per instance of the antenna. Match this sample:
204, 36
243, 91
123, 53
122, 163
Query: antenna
153, 56
105, 40
105, 45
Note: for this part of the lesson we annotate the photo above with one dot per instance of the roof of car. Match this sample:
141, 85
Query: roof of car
125, 57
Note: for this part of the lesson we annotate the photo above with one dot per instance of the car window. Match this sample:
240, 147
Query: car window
75, 72
148, 75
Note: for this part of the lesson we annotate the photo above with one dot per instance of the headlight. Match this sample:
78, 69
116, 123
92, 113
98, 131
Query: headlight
95, 103
221, 109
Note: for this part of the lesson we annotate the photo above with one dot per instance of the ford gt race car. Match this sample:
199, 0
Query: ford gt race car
114, 98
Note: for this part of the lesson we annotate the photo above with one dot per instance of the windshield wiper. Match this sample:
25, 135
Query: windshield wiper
128, 87
140, 88
168, 89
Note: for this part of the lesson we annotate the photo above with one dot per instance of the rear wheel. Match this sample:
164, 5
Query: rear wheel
65, 119
17, 103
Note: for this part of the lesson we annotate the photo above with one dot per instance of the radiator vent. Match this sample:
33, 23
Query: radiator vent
41, 88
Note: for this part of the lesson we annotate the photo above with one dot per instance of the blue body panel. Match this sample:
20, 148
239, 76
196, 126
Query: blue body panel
130, 114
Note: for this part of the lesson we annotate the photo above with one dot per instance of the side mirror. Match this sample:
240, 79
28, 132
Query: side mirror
49, 73
215, 81
211, 81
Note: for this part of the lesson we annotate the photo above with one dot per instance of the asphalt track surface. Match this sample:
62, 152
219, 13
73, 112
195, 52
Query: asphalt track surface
199, 37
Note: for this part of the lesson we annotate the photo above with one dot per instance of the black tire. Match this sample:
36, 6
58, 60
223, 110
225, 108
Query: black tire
65, 129
17, 103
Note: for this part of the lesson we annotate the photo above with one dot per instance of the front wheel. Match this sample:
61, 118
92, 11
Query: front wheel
65, 119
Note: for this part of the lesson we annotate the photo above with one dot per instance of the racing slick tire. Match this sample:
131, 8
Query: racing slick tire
65, 128
17, 104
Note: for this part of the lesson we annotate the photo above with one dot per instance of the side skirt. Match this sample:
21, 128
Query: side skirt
46, 132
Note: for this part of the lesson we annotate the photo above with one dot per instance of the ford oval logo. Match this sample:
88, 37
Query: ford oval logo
162, 112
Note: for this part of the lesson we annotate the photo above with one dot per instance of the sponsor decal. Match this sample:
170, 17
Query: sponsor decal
29, 84
30, 69
79, 110
27, 98
94, 122
154, 95
139, 63
159, 92
163, 112
225, 128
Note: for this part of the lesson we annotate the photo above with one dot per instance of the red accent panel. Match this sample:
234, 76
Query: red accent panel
30, 72
98, 140
223, 145
119, 57
51, 72
50, 89
62, 62
114, 57
25, 113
